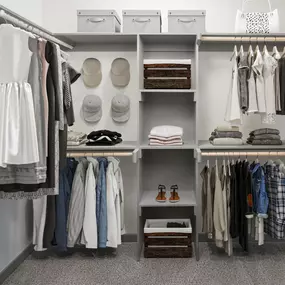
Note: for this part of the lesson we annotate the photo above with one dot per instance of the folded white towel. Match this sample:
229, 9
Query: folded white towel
166, 131
227, 128
75, 136
164, 138
72, 143
227, 141
165, 142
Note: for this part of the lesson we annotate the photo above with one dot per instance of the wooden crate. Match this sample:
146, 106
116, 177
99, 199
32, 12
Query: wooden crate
160, 241
167, 76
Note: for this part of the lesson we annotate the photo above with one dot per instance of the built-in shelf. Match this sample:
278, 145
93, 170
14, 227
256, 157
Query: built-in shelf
190, 91
98, 38
120, 146
186, 145
208, 146
169, 39
187, 199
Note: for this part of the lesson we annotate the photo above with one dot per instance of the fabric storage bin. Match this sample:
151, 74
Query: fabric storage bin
160, 241
98, 21
186, 21
140, 22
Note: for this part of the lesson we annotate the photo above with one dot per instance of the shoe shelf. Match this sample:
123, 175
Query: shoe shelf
187, 199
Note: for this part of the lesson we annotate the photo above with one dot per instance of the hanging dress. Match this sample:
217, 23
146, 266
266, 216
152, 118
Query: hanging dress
18, 137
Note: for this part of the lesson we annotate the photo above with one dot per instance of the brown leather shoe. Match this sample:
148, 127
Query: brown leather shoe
161, 196
174, 197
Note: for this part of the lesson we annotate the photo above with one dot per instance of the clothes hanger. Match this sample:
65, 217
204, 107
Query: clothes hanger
224, 167
250, 50
235, 51
257, 160
208, 163
229, 166
241, 51
265, 51
246, 157
239, 158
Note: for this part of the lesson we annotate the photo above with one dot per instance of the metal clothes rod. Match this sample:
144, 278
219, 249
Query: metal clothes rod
27, 25
244, 39
261, 153
98, 154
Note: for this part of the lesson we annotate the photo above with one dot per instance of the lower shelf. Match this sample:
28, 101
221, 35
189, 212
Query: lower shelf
187, 199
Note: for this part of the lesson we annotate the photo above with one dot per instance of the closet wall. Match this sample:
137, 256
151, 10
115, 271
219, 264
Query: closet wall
16, 216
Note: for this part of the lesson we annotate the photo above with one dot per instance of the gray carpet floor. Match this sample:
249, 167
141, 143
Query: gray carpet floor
264, 266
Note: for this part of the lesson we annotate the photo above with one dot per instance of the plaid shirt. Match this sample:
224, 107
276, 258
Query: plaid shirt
275, 186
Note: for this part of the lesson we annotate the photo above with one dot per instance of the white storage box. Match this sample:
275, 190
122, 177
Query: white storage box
141, 22
98, 21
160, 226
186, 21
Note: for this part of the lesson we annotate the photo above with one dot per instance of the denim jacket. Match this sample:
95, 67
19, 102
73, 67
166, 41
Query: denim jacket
260, 198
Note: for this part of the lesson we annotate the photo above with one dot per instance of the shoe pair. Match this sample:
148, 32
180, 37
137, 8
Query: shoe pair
161, 196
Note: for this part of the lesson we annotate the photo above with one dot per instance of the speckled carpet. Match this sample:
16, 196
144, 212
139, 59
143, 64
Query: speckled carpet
264, 266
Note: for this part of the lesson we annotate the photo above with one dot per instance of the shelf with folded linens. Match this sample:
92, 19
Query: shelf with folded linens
186, 145
187, 199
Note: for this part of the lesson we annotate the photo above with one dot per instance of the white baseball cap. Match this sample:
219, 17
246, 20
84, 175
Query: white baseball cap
120, 108
120, 72
91, 72
92, 108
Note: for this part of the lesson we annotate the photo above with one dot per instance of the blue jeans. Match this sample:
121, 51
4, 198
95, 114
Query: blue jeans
101, 203
260, 198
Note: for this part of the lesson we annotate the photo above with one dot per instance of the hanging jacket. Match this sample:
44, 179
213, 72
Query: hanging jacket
234, 224
101, 188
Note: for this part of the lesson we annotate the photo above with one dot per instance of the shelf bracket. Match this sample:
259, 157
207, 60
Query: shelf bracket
136, 155
197, 155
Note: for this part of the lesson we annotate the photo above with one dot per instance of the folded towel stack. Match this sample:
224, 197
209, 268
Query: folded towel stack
166, 135
265, 136
76, 138
226, 135
104, 137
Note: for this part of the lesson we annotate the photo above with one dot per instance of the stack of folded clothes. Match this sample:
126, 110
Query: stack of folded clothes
166, 135
104, 137
264, 136
226, 135
76, 138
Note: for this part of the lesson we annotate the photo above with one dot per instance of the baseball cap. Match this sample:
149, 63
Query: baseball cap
91, 72
120, 108
92, 108
120, 72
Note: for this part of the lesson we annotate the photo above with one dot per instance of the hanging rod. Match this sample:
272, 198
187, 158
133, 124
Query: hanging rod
236, 153
245, 38
27, 25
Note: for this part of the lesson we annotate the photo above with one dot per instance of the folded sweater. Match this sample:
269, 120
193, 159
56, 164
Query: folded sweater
227, 141
223, 134
166, 131
227, 129
165, 142
161, 144
165, 138
265, 131
265, 142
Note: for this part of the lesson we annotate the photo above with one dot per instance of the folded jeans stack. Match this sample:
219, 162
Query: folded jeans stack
226, 135
166, 135
265, 136
76, 138
104, 137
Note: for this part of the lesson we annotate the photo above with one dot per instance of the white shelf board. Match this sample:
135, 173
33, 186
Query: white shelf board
120, 146
186, 145
169, 38
206, 145
187, 199
190, 91
98, 38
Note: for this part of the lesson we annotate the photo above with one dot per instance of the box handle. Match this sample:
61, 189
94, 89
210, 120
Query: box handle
95, 20
141, 20
187, 21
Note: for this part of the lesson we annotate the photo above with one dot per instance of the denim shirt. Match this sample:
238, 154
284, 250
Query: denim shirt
101, 203
260, 197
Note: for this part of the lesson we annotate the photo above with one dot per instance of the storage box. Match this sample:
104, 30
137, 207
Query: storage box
141, 22
160, 241
186, 21
171, 74
98, 21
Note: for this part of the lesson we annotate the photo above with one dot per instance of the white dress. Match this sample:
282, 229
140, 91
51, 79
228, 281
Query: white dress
233, 113
18, 138
270, 65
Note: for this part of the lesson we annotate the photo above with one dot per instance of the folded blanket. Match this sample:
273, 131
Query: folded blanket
223, 134
166, 131
264, 137
72, 143
265, 142
170, 144
165, 142
75, 136
104, 140
227, 129
227, 141
165, 138
265, 131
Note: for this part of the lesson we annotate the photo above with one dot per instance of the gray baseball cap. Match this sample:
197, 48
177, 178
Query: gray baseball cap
91, 72
92, 108
120, 108
120, 72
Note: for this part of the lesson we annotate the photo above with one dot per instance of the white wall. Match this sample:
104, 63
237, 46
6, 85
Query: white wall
16, 216
60, 16
30, 9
